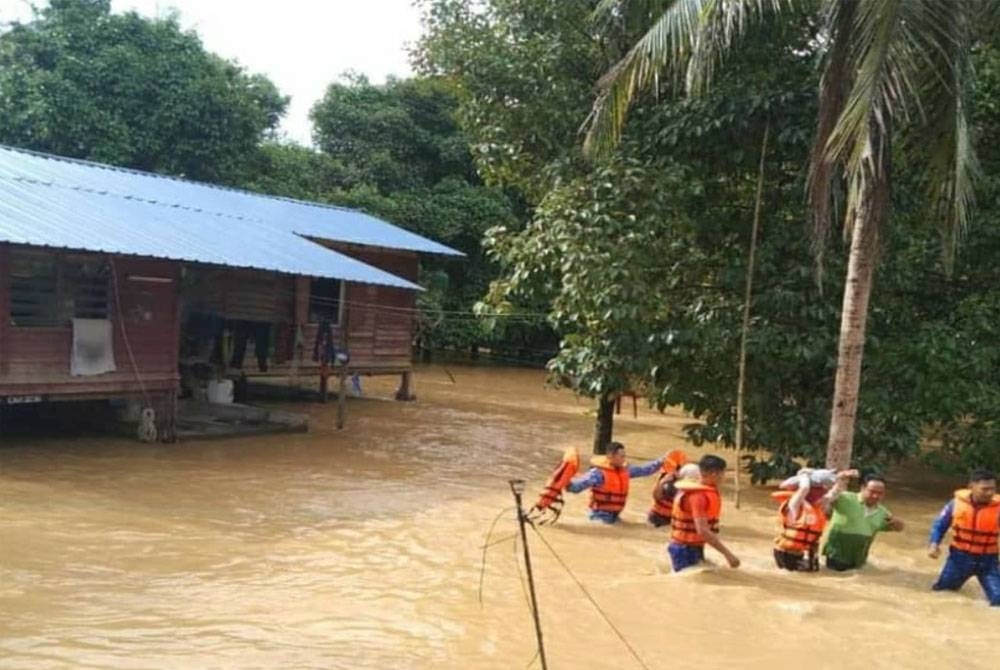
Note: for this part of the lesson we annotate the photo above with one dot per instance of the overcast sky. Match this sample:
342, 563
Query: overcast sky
302, 45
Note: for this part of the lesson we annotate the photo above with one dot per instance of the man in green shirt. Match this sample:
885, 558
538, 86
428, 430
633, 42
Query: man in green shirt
857, 518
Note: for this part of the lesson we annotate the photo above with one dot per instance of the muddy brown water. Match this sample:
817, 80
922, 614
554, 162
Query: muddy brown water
361, 549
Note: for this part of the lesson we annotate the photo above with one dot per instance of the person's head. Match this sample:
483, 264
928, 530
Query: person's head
712, 468
616, 454
872, 490
983, 484
690, 472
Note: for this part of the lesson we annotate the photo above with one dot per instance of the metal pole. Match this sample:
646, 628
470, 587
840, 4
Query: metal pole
517, 488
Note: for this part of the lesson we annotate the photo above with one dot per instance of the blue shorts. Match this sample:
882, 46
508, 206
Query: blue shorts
961, 565
685, 555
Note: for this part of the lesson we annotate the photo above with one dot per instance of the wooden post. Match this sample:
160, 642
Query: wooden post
168, 420
405, 392
324, 375
745, 331
342, 396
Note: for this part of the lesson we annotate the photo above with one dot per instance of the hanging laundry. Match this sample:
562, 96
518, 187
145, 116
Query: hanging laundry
324, 350
93, 348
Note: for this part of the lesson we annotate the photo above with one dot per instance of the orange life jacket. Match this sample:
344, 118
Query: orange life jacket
802, 536
664, 505
612, 494
683, 529
552, 493
975, 526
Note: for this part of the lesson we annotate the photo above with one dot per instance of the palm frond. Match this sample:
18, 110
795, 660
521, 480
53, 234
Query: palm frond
945, 143
685, 41
900, 50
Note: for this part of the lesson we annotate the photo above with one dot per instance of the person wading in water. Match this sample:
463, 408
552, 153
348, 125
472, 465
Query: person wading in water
608, 481
695, 520
974, 518
857, 519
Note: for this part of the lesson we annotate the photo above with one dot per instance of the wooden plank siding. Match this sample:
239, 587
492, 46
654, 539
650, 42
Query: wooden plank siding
247, 295
36, 361
380, 319
4, 307
384, 337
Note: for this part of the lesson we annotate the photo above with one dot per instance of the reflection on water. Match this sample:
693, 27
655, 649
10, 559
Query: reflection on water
362, 548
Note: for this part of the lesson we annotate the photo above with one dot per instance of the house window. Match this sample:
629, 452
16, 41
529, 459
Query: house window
325, 300
87, 287
47, 290
34, 295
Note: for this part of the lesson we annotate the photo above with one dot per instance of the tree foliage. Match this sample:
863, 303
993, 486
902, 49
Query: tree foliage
396, 150
122, 89
641, 255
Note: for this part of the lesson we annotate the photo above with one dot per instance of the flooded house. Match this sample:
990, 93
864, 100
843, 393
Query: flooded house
119, 284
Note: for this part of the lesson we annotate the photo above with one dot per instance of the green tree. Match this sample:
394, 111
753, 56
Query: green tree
893, 69
80, 81
402, 156
397, 136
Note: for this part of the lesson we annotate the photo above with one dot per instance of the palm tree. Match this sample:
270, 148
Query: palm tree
893, 70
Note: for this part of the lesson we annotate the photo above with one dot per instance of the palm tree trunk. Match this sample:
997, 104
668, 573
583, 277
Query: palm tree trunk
853, 319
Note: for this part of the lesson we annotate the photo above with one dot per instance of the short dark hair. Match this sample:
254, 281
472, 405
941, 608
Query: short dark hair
981, 475
710, 463
614, 446
873, 477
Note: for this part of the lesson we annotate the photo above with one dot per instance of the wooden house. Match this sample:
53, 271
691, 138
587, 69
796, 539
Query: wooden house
112, 281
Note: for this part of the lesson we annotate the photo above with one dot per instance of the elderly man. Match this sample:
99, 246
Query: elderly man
857, 519
974, 518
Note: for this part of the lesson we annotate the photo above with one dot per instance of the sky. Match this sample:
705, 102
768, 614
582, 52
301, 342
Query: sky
301, 45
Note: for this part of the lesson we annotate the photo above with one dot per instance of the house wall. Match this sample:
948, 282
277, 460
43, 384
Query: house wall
380, 319
36, 361
4, 308
249, 295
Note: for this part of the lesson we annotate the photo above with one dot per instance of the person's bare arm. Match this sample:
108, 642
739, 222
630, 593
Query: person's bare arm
839, 487
712, 539
795, 502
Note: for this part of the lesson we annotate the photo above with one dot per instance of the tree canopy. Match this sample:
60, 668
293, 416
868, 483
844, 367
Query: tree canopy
83, 82
641, 252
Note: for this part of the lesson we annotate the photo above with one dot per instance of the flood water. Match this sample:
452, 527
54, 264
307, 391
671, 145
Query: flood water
362, 549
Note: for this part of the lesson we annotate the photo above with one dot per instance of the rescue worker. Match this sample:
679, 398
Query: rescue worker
666, 490
974, 518
802, 521
608, 481
695, 517
857, 519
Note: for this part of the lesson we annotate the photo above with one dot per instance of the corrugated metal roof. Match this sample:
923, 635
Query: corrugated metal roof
50, 215
305, 218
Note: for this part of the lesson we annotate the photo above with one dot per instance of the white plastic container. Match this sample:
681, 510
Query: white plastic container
220, 392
